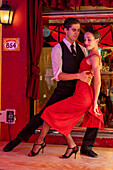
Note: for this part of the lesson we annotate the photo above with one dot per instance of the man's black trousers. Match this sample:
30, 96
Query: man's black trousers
36, 121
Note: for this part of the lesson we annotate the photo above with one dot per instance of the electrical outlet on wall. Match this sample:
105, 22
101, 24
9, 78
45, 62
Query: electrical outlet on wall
10, 116
2, 116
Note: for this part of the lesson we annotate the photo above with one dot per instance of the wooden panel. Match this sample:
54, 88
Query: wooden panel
107, 82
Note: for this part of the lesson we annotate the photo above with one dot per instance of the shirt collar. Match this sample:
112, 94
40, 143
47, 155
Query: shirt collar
68, 43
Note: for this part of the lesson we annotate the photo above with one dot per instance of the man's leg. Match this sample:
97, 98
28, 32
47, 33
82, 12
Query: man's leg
88, 142
25, 133
30, 128
36, 121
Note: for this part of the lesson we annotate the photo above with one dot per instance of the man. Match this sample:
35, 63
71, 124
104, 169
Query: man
66, 58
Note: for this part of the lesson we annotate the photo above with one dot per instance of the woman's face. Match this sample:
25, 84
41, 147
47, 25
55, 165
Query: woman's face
90, 41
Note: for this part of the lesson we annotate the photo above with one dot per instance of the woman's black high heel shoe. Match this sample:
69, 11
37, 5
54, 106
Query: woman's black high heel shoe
43, 145
74, 150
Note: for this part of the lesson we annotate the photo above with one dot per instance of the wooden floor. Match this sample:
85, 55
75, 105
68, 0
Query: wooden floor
49, 160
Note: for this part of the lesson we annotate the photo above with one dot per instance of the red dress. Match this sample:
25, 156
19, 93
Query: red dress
63, 115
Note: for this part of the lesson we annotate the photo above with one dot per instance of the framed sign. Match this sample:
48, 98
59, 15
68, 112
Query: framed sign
11, 44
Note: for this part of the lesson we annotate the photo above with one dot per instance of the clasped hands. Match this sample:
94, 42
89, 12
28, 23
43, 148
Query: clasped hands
86, 76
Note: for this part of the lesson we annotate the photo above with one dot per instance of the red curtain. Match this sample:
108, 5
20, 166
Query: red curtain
65, 4
35, 32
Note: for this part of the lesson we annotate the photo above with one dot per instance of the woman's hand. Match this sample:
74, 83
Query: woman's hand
96, 110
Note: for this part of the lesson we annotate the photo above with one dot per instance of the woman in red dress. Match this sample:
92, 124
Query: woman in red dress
63, 115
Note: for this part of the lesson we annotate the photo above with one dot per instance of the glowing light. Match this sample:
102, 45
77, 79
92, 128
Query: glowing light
6, 17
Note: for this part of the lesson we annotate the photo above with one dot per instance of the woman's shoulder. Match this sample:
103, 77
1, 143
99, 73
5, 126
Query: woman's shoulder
94, 54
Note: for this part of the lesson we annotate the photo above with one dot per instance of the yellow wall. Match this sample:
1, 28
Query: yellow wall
0, 63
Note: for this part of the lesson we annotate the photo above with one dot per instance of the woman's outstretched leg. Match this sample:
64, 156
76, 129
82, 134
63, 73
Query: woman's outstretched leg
40, 144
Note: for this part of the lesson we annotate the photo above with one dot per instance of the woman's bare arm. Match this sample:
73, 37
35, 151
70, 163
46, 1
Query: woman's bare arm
95, 61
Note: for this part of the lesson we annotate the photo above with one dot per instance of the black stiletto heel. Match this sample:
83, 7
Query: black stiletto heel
43, 145
74, 150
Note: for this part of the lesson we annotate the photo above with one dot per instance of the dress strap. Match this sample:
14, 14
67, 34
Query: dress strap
97, 55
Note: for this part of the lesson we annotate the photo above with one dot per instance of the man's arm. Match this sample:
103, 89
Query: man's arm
81, 76
56, 56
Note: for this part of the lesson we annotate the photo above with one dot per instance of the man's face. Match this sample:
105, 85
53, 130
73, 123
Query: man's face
73, 33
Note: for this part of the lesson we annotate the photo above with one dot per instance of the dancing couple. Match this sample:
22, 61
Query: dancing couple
63, 115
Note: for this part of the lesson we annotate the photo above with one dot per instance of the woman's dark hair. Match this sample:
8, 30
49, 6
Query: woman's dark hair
95, 33
69, 22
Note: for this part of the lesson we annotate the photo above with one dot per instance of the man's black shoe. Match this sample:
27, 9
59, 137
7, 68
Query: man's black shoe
11, 145
90, 153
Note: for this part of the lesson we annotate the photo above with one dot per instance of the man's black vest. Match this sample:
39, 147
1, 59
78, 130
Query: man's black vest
70, 63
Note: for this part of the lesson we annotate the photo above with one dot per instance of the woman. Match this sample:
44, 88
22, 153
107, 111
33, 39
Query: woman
63, 115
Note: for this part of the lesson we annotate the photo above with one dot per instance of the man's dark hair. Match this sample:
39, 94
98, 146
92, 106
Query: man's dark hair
69, 22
